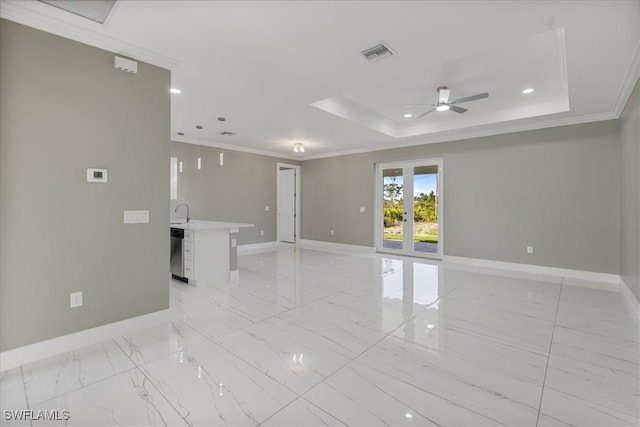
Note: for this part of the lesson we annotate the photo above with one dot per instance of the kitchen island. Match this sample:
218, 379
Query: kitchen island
209, 250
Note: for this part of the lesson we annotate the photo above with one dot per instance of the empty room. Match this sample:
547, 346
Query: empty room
312, 213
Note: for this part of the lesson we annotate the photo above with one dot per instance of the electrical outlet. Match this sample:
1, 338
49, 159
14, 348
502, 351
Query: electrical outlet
262, 232
332, 232
267, 208
529, 249
75, 299
363, 209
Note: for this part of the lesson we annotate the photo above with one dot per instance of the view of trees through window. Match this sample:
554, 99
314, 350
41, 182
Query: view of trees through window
425, 210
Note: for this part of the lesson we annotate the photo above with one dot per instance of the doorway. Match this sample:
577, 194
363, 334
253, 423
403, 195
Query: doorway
288, 203
409, 208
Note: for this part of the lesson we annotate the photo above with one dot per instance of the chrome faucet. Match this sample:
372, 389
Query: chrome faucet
185, 205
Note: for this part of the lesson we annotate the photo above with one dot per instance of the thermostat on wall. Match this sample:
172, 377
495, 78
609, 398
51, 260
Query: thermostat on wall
96, 175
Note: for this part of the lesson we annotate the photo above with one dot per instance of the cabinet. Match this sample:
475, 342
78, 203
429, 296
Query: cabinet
187, 254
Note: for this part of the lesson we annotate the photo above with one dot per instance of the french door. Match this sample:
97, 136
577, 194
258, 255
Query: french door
409, 208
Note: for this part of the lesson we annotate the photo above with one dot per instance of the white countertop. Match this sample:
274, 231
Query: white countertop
208, 225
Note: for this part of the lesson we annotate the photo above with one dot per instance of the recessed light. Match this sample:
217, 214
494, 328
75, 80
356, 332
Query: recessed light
526, 91
408, 115
408, 415
174, 90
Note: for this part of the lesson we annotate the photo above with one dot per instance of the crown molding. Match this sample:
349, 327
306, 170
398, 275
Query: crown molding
628, 82
187, 140
26, 13
478, 132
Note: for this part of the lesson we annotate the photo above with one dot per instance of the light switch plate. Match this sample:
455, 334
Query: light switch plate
136, 217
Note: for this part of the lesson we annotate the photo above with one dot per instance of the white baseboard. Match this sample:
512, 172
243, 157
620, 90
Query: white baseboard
604, 281
633, 305
41, 350
334, 247
257, 247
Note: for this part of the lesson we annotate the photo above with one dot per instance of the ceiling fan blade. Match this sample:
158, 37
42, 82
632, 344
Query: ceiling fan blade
426, 112
443, 96
419, 105
457, 109
470, 98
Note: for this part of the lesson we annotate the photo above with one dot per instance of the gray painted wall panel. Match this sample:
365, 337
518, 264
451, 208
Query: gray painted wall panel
556, 189
65, 108
238, 191
630, 193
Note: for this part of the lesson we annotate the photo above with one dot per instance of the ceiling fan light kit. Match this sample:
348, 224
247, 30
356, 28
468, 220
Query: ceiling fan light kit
445, 105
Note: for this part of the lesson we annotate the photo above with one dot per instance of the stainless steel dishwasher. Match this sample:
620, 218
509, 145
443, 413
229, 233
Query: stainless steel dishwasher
176, 258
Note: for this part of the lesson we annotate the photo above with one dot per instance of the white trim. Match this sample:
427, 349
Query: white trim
40, 350
468, 133
633, 305
628, 82
258, 247
298, 213
229, 147
79, 29
334, 247
607, 281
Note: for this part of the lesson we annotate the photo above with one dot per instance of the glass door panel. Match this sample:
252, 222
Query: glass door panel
393, 208
409, 208
425, 209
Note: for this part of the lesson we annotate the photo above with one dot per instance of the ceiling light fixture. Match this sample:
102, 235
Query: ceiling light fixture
442, 107
408, 116
527, 91
174, 90
298, 148
222, 131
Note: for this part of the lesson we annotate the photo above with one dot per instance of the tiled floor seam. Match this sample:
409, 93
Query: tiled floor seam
139, 369
26, 396
347, 364
294, 401
546, 369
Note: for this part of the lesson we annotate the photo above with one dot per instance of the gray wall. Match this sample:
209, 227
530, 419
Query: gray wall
238, 191
65, 108
555, 189
630, 193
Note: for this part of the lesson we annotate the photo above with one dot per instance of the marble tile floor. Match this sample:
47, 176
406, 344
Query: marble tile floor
313, 338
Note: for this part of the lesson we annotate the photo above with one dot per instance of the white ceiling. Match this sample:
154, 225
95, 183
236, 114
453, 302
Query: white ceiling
288, 71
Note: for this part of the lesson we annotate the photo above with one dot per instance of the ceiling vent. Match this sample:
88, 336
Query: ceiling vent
95, 10
377, 52
227, 133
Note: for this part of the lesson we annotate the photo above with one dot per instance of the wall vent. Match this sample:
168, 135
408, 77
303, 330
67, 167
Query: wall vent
95, 10
378, 52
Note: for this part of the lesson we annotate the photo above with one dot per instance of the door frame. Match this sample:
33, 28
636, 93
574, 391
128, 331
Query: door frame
378, 229
298, 180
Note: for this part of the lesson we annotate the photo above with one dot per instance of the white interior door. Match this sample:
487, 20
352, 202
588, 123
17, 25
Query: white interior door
286, 205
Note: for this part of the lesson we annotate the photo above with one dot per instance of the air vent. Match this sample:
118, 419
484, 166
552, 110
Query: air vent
378, 52
95, 10
227, 133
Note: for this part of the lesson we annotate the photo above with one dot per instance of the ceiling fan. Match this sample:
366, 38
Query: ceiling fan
444, 104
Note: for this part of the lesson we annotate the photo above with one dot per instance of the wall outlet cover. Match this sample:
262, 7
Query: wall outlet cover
529, 249
75, 299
